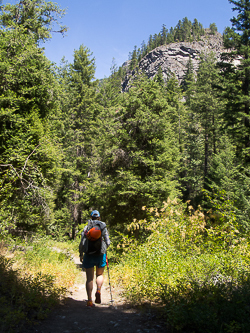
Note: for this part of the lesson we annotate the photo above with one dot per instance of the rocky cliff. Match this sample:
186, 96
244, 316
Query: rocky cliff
173, 58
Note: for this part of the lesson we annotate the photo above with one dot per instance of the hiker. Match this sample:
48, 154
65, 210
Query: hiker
94, 244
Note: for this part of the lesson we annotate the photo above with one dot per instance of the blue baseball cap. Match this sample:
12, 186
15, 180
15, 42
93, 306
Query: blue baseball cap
95, 213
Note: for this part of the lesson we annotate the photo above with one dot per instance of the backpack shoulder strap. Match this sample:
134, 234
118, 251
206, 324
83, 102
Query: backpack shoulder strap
91, 224
100, 224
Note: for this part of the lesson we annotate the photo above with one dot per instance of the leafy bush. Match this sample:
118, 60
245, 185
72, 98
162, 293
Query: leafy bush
33, 280
24, 299
198, 271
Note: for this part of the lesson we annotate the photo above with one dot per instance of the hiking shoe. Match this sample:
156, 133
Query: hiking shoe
90, 304
98, 297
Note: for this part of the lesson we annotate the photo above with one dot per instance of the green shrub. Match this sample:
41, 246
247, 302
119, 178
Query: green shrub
198, 271
24, 299
34, 280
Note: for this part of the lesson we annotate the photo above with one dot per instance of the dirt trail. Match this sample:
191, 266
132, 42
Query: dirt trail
75, 317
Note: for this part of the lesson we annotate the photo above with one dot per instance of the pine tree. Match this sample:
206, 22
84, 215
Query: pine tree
164, 32
171, 36
238, 78
110, 88
213, 28
203, 125
177, 115
196, 29
229, 181
36, 17
159, 77
206, 105
186, 29
144, 158
27, 147
79, 117
133, 59
188, 82
178, 32
143, 49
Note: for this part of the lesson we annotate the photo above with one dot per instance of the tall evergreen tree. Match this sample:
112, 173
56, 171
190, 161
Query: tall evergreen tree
143, 49
229, 181
28, 150
196, 31
37, 17
177, 115
203, 125
144, 159
133, 59
206, 105
109, 92
188, 81
171, 36
164, 32
79, 137
237, 113
159, 77
186, 29
213, 28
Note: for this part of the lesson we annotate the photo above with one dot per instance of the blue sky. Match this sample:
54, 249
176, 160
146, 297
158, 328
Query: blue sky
111, 28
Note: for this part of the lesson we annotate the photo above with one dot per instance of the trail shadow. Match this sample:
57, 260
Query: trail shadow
22, 299
74, 316
79, 266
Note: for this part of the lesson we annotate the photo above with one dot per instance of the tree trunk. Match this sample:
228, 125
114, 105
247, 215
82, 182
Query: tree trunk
206, 160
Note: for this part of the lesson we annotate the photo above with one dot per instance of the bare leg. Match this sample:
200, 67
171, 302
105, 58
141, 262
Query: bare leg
99, 277
89, 282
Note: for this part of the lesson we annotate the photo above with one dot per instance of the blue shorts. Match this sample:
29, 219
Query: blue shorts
91, 260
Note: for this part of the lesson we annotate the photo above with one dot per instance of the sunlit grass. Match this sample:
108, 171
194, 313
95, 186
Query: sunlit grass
33, 278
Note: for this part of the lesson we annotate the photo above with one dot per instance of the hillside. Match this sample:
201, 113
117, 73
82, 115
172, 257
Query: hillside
174, 57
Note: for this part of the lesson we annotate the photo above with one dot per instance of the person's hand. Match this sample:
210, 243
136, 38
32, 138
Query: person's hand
81, 258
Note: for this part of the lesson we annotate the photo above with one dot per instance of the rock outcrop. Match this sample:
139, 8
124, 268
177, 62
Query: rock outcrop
173, 58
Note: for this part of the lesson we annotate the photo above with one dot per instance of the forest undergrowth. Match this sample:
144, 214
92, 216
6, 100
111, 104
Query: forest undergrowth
194, 269
34, 277
197, 270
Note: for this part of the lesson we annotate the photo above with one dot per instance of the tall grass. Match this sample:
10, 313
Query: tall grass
33, 278
198, 271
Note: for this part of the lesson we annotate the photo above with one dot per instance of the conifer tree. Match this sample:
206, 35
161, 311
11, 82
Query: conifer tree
150, 43
159, 77
207, 106
188, 81
144, 158
177, 114
164, 32
178, 32
36, 17
109, 92
237, 78
196, 29
213, 28
203, 125
186, 29
79, 136
171, 36
133, 59
27, 147
229, 181
143, 49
